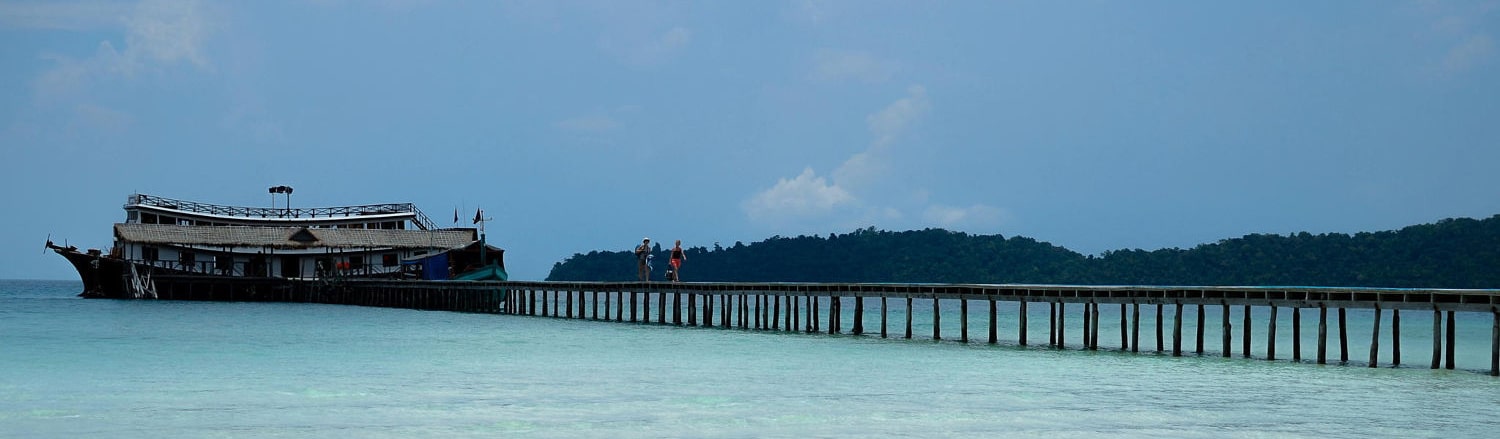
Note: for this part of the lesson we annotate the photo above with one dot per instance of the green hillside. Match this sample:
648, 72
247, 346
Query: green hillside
1452, 253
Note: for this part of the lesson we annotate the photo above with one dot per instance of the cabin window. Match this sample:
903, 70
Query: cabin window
148, 218
356, 262
187, 259
133, 217
150, 254
388, 260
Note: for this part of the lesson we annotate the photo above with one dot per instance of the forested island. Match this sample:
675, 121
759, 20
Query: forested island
1451, 253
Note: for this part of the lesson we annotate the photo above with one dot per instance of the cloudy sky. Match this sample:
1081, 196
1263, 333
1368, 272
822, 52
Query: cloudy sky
587, 125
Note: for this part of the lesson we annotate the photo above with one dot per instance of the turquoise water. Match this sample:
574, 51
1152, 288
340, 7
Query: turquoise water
104, 368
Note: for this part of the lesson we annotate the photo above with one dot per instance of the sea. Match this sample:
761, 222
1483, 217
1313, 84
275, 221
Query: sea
72, 367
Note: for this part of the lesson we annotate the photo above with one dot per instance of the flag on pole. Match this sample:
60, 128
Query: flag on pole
477, 216
455, 215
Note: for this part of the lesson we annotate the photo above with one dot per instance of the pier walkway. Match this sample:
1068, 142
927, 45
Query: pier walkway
821, 307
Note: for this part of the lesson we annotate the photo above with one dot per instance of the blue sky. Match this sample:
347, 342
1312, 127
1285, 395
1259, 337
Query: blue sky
587, 125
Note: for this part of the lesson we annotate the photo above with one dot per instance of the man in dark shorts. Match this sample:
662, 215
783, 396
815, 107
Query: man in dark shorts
641, 253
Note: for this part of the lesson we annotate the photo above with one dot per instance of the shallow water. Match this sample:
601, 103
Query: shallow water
106, 368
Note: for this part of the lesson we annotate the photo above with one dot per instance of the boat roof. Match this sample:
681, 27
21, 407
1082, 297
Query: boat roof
303, 214
293, 237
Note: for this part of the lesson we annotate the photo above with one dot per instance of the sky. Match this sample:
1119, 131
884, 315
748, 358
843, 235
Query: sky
587, 125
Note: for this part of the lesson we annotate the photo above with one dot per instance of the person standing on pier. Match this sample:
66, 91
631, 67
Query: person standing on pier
642, 252
677, 257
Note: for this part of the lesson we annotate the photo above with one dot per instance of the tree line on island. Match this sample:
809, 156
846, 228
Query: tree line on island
1451, 253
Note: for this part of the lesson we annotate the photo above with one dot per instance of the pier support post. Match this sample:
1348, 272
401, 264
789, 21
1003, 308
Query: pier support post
1199, 346
1245, 342
1495, 341
620, 306
1322, 334
1228, 330
661, 307
859, 315
963, 320
884, 315
1062, 327
692, 309
1375, 339
1124, 331
1437, 338
835, 314
1051, 323
908, 316
1135, 326
677, 307
1023, 323
1271, 335
1451, 335
570, 304
1343, 338
1159, 344
1095, 328
1395, 337
994, 326
1297, 334
596, 305
708, 310
1088, 315
937, 319
635, 301
1177, 331
776, 312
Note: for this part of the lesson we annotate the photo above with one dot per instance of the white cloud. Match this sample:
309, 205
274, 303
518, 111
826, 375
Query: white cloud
976, 217
804, 196
887, 125
842, 65
1472, 51
157, 33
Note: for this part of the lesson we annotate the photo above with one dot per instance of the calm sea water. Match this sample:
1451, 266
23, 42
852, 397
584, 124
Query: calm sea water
71, 367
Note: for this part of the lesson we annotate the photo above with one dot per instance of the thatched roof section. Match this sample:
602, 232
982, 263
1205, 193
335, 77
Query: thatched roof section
282, 237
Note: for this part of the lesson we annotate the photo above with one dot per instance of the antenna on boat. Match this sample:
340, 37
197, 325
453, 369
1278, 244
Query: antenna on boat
48, 245
281, 190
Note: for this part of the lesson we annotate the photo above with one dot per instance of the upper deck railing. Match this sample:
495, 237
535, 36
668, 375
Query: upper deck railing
419, 218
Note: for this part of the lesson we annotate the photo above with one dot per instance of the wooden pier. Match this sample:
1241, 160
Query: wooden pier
819, 307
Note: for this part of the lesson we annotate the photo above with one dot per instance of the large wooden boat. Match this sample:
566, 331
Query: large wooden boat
164, 236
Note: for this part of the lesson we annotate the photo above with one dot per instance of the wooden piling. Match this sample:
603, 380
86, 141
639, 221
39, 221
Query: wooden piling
1451, 335
1437, 338
884, 315
1062, 327
1297, 334
1124, 333
1227, 330
963, 320
1271, 335
1051, 323
1135, 326
1159, 343
1094, 336
1395, 337
1343, 338
1199, 347
908, 317
937, 320
859, 315
1375, 339
1322, 334
1177, 331
1245, 340
1495, 341
994, 326
775, 312
1022, 312
1088, 315
661, 307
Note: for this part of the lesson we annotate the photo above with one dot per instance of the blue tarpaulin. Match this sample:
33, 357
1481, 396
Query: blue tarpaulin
434, 267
